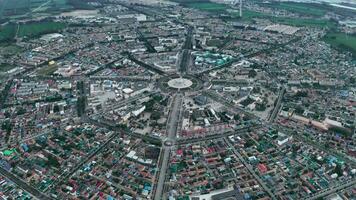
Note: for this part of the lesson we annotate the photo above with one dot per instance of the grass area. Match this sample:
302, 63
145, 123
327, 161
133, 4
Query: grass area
342, 41
47, 70
301, 8
20, 7
203, 5
248, 15
319, 23
8, 32
35, 29
207, 6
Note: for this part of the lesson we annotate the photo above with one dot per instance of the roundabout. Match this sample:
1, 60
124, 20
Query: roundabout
180, 83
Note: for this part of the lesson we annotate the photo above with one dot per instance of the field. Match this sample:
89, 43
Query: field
47, 70
317, 10
248, 15
36, 29
207, 6
320, 23
342, 41
22, 8
8, 32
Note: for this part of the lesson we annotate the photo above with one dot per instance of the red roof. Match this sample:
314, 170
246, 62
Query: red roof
262, 168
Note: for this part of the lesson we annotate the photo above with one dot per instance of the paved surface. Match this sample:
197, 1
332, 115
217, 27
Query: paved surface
34, 192
277, 106
172, 127
180, 83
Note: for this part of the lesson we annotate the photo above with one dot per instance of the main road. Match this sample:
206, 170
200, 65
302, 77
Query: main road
276, 108
172, 127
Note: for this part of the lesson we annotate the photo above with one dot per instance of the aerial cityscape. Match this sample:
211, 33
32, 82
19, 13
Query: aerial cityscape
178, 99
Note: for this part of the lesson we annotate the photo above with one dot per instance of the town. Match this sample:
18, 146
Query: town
178, 100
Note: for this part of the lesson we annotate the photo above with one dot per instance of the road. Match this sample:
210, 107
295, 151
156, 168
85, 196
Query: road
276, 108
184, 61
145, 65
188, 44
34, 192
65, 176
172, 127
185, 53
148, 45
298, 135
332, 190
250, 169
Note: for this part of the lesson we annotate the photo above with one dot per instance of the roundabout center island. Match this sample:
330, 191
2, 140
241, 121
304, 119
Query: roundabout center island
180, 83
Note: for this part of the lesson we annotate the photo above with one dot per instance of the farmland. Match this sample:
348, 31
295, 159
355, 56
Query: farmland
311, 9
342, 41
8, 32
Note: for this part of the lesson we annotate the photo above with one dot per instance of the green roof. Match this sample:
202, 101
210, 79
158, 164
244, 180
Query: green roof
9, 152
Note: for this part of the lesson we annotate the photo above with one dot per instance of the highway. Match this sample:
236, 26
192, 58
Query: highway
34, 192
172, 127
250, 169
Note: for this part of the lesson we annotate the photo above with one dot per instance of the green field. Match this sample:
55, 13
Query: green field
8, 32
47, 70
319, 23
342, 41
36, 29
249, 15
301, 8
20, 7
207, 6
27, 8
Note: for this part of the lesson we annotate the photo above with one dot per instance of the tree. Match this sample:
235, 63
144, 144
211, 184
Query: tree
52, 161
156, 115
252, 73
